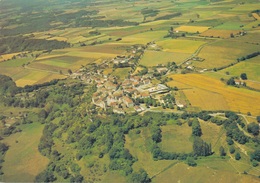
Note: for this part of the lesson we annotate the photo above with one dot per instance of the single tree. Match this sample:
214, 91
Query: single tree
237, 156
222, 151
69, 71
243, 76
253, 128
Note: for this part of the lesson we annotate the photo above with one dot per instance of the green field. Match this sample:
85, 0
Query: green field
138, 146
121, 73
23, 160
176, 139
223, 53
154, 58
180, 45
251, 67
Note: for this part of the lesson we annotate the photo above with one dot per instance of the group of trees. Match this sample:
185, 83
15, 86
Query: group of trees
9, 44
248, 56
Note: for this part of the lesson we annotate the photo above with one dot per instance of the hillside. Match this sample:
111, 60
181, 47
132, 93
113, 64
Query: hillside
129, 91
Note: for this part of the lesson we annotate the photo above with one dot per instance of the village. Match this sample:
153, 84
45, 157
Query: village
136, 93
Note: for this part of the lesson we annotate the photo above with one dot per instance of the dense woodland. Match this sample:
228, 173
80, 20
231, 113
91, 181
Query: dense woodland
19, 44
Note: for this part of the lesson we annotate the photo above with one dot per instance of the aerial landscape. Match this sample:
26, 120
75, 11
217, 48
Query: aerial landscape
121, 91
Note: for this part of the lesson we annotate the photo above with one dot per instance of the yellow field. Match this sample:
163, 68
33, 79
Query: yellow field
192, 29
23, 161
256, 16
143, 38
219, 33
9, 56
180, 45
237, 99
253, 84
200, 98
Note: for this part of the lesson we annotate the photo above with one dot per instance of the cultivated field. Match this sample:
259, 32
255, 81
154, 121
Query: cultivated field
237, 99
180, 45
23, 160
219, 33
30, 77
154, 58
192, 29
223, 53
200, 98
143, 38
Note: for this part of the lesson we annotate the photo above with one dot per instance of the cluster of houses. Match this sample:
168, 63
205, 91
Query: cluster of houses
121, 96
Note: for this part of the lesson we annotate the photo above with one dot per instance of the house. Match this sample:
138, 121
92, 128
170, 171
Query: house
144, 94
138, 108
118, 110
146, 81
99, 103
162, 70
110, 86
128, 101
110, 100
130, 90
180, 103
118, 94
239, 82
135, 84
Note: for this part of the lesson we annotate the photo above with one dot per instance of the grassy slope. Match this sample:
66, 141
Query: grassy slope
23, 160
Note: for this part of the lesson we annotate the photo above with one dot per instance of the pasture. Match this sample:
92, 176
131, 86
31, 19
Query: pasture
154, 58
23, 160
214, 134
237, 99
121, 73
138, 145
202, 173
180, 45
251, 67
176, 138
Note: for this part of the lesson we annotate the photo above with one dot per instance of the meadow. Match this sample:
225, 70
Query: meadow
24, 166
139, 146
237, 99
251, 67
176, 139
